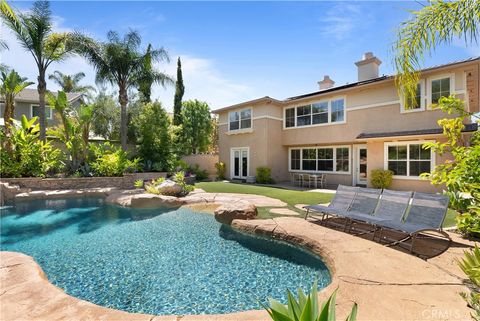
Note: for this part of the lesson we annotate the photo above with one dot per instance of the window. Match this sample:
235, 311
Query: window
323, 112
35, 111
338, 112
408, 159
290, 117
309, 159
342, 159
320, 113
295, 159
240, 119
324, 159
440, 88
415, 103
304, 117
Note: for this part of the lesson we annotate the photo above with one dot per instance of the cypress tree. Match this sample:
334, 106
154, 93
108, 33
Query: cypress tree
179, 91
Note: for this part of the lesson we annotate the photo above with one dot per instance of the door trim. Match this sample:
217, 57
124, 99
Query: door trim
232, 161
356, 163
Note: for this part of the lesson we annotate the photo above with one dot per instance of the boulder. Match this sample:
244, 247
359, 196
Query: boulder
169, 187
151, 201
242, 210
8, 192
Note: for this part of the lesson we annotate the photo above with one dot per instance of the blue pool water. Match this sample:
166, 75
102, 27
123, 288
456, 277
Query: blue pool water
154, 261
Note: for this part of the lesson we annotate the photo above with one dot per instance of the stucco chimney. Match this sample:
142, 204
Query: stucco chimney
368, 67
326, 83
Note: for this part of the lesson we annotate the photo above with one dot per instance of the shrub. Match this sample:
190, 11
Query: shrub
200, 174
138, 183
381, 178
470, 265
306, 307
468, 224
221, 169
264, 175
112, 161
178, 178
27, 155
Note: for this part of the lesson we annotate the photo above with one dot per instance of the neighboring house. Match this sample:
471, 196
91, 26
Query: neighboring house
349, 130
26, 103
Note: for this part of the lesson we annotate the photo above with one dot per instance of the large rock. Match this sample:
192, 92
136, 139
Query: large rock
169, 187
151, 201
228, 212
8, 192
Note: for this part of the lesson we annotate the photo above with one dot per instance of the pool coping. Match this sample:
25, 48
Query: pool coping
415, 289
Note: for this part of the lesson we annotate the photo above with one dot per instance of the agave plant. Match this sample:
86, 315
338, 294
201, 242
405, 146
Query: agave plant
470, 265
306, 307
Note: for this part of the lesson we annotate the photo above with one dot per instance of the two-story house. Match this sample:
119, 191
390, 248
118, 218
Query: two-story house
346, 131
26, 103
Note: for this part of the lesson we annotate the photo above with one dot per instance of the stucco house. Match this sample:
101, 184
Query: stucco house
346, 131
26, 103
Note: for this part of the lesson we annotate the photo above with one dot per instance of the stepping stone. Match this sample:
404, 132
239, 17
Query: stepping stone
283, 211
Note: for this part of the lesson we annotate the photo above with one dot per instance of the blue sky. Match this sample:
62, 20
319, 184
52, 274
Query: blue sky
236, 51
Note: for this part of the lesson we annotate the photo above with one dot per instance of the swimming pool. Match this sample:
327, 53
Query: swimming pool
155, 261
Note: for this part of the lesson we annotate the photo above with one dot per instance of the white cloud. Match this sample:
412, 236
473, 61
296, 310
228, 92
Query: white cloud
472, 49
340, 21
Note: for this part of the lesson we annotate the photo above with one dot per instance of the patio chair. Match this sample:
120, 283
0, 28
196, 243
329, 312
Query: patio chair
297, 179
340, 203
426, 214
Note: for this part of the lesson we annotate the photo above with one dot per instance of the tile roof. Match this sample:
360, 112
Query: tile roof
433, 131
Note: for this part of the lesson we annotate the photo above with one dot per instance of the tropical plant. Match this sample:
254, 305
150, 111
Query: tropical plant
29, 156
106, 122
381, 178
200, 174
306, 307
196, 126
179, 178
264, 175
112, 161
120, 62
179, 91
12, 85
153, 135
70, 83
470, 265
221, 169
138, 183
440, 22
34, 31
460, 174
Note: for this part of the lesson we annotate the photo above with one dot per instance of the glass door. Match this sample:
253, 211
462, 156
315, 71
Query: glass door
239, 162
361, 166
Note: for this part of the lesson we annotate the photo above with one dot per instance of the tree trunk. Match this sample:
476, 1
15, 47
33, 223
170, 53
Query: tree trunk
8, 116
123, 100
42, 88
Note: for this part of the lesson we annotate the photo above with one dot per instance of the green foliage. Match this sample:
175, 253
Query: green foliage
470, 265
179, 91
381, 178
12, 85
112, 161
29, 156
154, 138
179, 178
106, 122
221, 169
200, 174
196, 126
440, 22
182, 165
138, 183
70, 83
461, 174
306, 307
264, 175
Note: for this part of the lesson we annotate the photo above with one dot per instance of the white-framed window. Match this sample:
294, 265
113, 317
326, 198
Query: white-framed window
328, 159
240, 119
408, 159
35, 111
316, 114
416, 103
441, 86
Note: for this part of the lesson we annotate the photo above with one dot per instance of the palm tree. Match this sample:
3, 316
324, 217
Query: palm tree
120, 62
435, 24
34, 31
70, 83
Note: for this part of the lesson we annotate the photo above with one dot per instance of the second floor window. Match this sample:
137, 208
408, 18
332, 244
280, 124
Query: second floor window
35, 112
440, 88
241, 119
338, 110
323, 112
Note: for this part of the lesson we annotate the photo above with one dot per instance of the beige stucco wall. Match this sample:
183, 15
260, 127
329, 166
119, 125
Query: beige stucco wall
204, 161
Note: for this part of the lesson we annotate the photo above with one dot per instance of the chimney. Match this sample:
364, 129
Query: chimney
326, 83
368, 67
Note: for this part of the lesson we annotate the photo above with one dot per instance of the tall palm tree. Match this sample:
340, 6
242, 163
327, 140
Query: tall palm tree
120, 62
34, 31
438, 23
70, 83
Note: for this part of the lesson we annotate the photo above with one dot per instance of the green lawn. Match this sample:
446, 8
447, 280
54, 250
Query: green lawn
288, 196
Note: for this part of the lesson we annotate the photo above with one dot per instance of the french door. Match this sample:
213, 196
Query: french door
361, 170
239, 160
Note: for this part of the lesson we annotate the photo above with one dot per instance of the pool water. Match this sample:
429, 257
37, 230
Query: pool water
155, 261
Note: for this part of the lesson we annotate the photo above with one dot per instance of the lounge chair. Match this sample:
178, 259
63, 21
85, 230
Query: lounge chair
426, 214
340, 203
